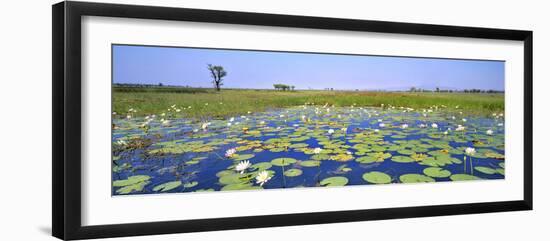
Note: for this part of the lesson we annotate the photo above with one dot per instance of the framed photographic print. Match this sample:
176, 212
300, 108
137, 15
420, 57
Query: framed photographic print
172, 120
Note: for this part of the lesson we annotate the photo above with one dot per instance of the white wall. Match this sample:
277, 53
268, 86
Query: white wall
25, 120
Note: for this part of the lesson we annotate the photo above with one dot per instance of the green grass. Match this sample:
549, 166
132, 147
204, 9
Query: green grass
207, 103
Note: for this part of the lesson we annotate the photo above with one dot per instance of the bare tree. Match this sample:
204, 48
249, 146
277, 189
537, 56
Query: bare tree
217, 73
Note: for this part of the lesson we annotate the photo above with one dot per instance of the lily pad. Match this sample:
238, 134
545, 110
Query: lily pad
486, 170
414, 178
284, 161
131, 180
377, 177
311, 163
334, 181
167, 186
190, 184
242, 157
293, 172
463, 177
402, 159
436, 172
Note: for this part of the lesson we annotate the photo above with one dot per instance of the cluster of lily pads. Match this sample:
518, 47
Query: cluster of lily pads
305, 146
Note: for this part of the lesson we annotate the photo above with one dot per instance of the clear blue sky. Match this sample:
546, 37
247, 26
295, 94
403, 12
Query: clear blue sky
260, 69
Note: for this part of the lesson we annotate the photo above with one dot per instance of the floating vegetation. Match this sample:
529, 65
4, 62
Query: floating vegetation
304, 146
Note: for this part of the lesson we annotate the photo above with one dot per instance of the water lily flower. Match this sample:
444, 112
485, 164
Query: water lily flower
464, 120
500, 124
317, 150
281, 116
230, 152
196, 130
121, 142
376, 130
262, 178
232, 119
470, 151
242, 166
445, 133
423, 125
460, 128
173, 106
128, 117
229, 124
114, 113
424, 115
295, 125
434, 125
178, 110
382, 125
453, 117
330, 131
489, 132
163, 114
262, 122
379, 120
205, 103
404, 126
165, 122
188, 107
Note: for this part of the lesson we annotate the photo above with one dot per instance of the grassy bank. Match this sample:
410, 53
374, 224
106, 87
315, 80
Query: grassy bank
207, 103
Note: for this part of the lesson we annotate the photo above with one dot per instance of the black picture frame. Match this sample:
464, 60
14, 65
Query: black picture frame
66, 47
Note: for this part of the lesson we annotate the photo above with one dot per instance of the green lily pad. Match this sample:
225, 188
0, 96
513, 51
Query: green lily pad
284, 161
436, 172
167, 186
377, 177
463, 177
334, 181
131, 180
486, 170
414, 178
293, 172
242, 157
311, 163
261, 166
190, 184
402, 159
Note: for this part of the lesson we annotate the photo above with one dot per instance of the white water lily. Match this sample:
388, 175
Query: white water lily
489, 132
317, 150
229, 124
242, 166
232, 119
114, 113
500, 124
330, 131
178, 110
204, 126
230, 152
445, 133
262, 178
345, 129
470, 151
464, 120
376, 130
460, 128
434, 125
165, 122
422, 125
404, 126
128, 117
381, 124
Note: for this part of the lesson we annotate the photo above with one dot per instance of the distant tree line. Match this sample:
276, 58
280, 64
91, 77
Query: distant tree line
283, 87
413, 89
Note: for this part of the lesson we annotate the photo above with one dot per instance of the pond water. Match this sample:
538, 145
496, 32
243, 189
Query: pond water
305, 146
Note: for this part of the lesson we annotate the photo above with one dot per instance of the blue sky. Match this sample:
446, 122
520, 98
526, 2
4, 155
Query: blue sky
261, 69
